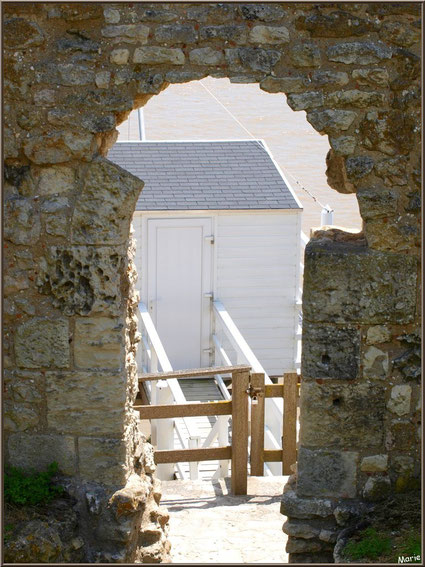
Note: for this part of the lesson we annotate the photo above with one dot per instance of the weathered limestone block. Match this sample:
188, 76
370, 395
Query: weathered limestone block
111, 15
305, 100
374, 463
103, 460
376, 202
105, 205
55, 214
99, 343
391, 133
70, 74
409, 362
401, 436
59, 147
14, 282
254, 58
176, 33
306, 54
206, 56
262, 12
399, 34
131, 33
372, 77
393, 171
399, 402
82, 279
54, 180
283, 84
41, 342
347, 282
349, 415
158, 55
335, 24
378, 334
360, 53
21, 221
235, 33
296, 545
80, 402
336, 173
20, 33
269, 34
77, 44
355, 98
20, 416
375, 363
152, 14
11, 145
184, 76
327, 473
343, 145
295, 506
23, 386
358, 166
328, 79
31, 451
377, 488
119, 56
331, 121
399, 233
330, 352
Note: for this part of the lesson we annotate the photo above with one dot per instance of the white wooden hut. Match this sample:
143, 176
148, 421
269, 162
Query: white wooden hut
216, 219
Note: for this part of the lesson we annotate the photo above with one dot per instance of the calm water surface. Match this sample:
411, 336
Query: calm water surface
189, 112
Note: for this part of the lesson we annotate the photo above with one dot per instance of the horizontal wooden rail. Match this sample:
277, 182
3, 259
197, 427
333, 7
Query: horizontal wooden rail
273, 455
193, 455
193, 373
274, 390
184, 410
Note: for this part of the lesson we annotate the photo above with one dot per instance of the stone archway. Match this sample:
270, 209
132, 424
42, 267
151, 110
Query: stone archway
69, 319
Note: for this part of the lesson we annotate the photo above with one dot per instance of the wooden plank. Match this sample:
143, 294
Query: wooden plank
289, 440
240, 382
192, 373
193, 455
272, 455
184, 410
274, 390
257, 427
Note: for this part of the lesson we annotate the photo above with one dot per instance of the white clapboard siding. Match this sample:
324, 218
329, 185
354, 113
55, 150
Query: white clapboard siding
257, 273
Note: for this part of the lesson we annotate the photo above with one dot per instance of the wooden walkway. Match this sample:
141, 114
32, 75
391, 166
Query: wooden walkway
199, 390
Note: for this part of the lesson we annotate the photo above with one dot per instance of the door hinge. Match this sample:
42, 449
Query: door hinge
209, 294
210, 238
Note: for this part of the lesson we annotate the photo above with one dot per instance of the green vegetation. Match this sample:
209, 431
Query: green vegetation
8, 529
30, 488
411, 547
370, 545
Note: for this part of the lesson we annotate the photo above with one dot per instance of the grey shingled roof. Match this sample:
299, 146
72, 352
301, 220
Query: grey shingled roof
204, 175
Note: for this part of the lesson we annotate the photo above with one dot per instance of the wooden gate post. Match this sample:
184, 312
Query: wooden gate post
257, 426
289, 440
240, 383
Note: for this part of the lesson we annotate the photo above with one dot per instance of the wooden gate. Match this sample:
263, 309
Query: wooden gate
244, 385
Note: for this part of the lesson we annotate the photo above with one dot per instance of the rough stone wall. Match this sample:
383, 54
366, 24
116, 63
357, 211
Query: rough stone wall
74, 71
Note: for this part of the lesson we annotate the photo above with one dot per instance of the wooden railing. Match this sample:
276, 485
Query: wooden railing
244, 355
237, 407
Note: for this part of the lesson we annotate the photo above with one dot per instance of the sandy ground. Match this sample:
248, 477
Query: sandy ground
209, 525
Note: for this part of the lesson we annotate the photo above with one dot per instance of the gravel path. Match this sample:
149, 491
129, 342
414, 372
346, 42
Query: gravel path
208, 525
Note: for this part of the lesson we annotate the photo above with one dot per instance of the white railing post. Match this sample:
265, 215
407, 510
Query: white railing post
223, 441
165, 431
194, 443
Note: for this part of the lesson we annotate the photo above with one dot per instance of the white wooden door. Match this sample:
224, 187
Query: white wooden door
179, 277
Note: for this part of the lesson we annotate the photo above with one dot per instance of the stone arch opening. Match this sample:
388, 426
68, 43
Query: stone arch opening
67, 217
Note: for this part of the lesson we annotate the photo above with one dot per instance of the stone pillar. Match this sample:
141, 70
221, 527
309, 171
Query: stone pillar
354, 303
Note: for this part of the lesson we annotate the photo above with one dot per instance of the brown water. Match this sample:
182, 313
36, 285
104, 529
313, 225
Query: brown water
189, 112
